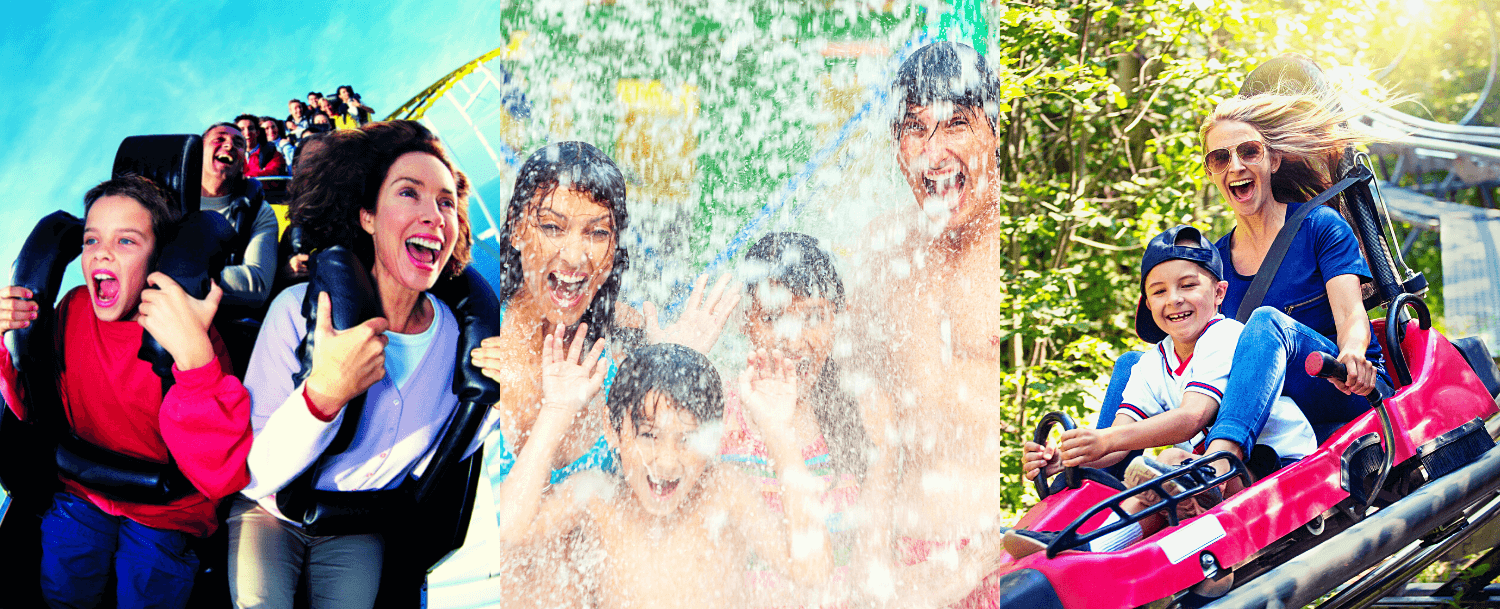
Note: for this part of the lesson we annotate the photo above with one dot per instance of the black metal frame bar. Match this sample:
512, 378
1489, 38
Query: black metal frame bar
1196, 478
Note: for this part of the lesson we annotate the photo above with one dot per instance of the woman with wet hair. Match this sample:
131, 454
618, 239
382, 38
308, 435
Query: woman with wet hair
389, 193
561, 264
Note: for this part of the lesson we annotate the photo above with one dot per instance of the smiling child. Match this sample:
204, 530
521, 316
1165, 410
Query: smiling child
673, 529
1174, 391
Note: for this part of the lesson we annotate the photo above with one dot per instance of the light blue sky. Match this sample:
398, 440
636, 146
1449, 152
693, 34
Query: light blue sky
76, 77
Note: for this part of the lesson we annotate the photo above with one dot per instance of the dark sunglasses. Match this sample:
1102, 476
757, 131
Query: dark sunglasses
1217, 161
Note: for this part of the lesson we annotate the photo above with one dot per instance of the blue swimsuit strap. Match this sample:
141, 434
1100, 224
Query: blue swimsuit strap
599, 456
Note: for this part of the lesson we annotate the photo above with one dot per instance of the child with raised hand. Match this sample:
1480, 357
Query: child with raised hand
113, 400
795, 298
672, 529
1173, 394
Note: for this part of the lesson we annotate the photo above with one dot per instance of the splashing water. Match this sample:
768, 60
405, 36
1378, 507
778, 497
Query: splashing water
731, 120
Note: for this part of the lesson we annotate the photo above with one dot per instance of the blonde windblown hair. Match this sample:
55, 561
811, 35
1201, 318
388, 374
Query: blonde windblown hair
1308, 132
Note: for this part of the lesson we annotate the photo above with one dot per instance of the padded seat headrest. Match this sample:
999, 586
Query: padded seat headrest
1287, 74
174, 162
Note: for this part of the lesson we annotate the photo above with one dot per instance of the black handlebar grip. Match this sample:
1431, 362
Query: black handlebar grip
477, 310
352, 300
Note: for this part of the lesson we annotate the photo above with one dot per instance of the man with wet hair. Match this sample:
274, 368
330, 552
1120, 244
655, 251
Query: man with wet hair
930, 298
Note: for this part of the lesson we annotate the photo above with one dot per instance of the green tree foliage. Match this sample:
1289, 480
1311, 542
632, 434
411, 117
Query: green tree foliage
1101, 152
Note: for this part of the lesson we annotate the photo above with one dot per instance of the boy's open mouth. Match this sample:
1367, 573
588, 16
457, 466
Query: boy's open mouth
662, 488
566, 288
423, 250
1241, 189
1176, 317
106, 288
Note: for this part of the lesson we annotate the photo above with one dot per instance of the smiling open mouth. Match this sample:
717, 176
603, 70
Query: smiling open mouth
1176, 317
566, 288
1241, 189
662, 488
106, 288
945, 186
424, 250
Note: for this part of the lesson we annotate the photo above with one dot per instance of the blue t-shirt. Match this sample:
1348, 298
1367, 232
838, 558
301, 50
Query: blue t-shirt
404, 352
1324, 248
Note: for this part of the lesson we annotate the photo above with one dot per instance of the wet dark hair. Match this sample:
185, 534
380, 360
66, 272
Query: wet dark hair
580, 167
947, 72
677, 372
164, 208
795, 262
344, 175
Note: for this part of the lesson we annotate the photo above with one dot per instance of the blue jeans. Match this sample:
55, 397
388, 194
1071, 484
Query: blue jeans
81, 545
1268, 363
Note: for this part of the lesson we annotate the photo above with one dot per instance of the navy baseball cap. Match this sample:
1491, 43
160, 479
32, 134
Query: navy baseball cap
1162, 248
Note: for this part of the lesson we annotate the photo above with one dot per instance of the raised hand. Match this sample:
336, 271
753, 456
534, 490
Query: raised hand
768, 389
16, 308
178, 321
568, 383
344, 363
702, 319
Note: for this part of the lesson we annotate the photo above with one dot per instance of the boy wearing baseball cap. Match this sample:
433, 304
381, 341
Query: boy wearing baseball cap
1173, 394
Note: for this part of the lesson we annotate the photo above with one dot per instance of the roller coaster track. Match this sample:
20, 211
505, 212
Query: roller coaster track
481, 79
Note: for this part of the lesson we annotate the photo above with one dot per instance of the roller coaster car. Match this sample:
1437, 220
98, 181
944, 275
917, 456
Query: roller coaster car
1429, 431
1436, 420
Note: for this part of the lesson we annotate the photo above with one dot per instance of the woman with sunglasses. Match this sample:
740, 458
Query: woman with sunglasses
1267, 155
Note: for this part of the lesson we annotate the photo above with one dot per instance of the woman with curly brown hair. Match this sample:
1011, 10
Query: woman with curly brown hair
389, 193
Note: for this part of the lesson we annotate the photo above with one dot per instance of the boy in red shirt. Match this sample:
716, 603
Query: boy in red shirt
113, 400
